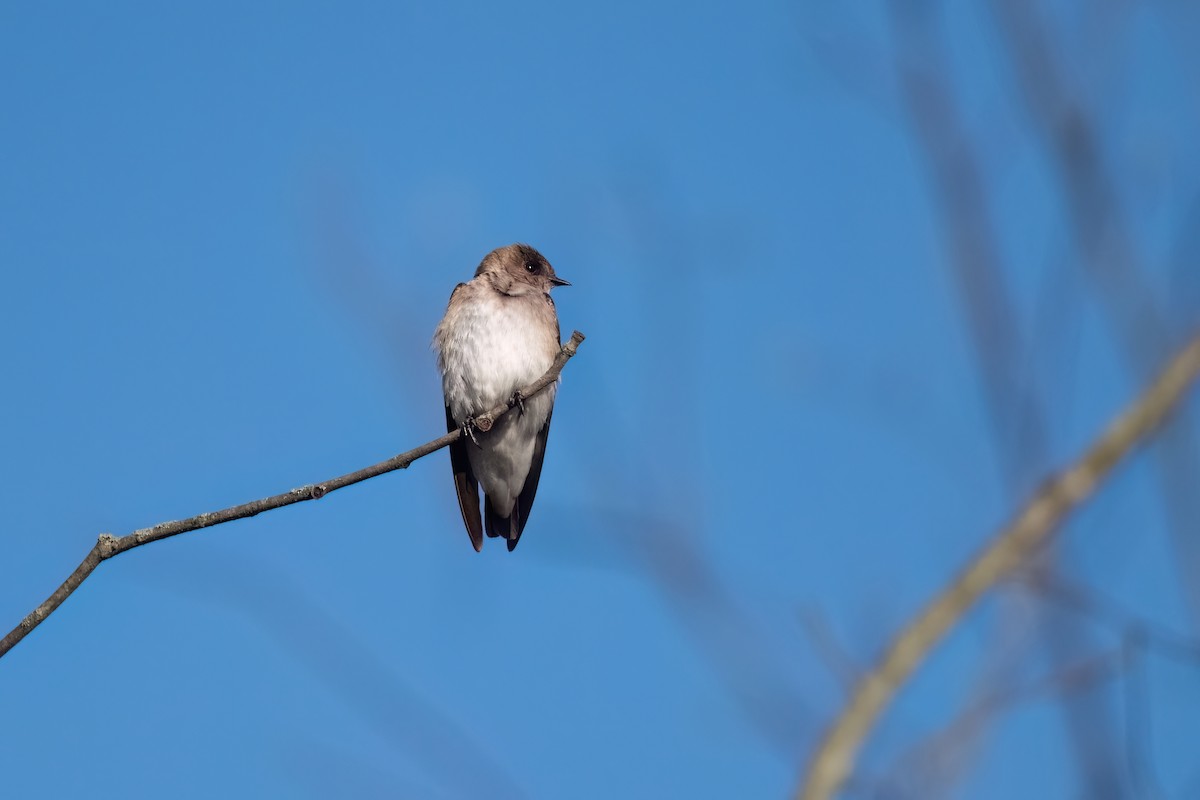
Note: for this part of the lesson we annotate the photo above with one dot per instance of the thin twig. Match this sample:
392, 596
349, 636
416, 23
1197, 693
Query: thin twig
108, 545
1146, 633
939, 752
1012, 546
959, 186
828, 649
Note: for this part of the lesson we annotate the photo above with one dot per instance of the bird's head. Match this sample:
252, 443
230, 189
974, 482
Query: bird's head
519, 269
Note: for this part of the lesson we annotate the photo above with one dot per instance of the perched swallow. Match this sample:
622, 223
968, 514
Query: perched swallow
499, 333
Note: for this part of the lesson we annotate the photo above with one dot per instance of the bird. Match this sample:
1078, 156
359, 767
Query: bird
499, 333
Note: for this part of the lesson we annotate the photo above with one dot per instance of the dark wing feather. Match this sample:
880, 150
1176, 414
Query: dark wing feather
466, 485
524, 502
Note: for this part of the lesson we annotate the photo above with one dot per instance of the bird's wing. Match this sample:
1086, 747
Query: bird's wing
524, 502
466, 485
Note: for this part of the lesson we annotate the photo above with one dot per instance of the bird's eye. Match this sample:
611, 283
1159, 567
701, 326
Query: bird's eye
530, 266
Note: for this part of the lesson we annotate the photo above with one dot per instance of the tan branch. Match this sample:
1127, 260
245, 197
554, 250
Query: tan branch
1013, 545
108, 546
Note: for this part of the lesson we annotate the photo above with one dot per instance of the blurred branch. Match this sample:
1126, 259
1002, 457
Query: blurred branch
108, 545
1093, 207
1011, 548
1014, 407
976, 265
939, 753
1137, 637
1014, 404
1145, 633
1138, 730
827, 647
1109, 255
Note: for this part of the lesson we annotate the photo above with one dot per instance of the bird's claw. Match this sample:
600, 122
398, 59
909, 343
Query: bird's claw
469, 427
518, 400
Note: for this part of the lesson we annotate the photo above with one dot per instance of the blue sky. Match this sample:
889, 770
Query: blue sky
227, 234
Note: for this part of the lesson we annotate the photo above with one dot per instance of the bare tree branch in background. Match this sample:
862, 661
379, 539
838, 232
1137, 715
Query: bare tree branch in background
827, 647
1019, 427
964, 731
1109, 258
1148, 634
976, 265
108, 546
1135, 639
1012, 547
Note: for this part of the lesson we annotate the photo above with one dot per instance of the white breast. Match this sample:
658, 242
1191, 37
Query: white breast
490, 348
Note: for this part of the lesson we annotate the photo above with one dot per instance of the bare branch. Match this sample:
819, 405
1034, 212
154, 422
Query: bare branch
1012, 399
940, 751
827, 648
976, 264
108, 545
1011, 548
1145, 633
1105, 241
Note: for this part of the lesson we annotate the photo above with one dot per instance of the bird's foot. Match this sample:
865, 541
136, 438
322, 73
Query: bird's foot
469, 427
518, 400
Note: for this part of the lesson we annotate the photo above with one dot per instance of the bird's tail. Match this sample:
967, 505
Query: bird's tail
505, 527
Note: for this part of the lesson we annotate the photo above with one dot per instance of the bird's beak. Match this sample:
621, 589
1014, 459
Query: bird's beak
557, 281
